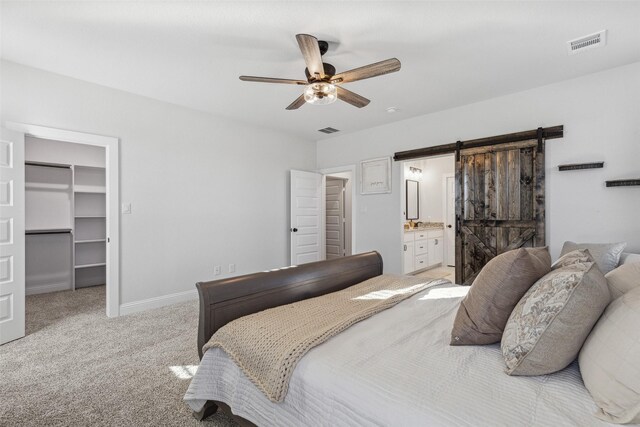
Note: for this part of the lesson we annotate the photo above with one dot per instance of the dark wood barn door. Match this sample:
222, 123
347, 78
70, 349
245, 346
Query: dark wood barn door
499, 203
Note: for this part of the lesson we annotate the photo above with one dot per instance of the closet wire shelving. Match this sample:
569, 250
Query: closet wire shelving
65, 200
89, 213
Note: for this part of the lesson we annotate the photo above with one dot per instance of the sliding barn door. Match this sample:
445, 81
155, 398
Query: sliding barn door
499, 203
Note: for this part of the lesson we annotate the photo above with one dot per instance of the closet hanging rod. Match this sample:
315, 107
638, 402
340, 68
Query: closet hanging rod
51, 231
48, 165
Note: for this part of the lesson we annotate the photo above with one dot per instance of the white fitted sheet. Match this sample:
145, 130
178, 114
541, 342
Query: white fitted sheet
397, 369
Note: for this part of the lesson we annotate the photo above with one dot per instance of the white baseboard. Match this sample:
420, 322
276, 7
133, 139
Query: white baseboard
157, 302
44, 289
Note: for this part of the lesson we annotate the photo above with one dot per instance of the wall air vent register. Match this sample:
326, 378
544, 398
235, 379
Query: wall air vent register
328, 130
591, 41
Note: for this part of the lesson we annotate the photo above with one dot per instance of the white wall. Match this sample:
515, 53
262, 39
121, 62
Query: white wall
45, 150
601, 115
204, 190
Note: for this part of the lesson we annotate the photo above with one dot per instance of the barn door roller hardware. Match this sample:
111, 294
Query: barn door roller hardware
540, 137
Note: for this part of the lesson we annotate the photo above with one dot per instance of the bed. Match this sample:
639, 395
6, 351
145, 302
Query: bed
395, 368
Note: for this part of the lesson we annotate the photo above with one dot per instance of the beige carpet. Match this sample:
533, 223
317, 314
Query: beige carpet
76, 367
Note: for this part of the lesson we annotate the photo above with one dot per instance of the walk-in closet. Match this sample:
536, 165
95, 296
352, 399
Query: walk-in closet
65, 218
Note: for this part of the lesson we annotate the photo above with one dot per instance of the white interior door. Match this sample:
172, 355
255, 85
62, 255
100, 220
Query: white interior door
335, 218
450, 218
12, 214
306, 217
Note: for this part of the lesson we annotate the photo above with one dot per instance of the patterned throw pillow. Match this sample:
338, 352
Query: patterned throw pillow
551, 322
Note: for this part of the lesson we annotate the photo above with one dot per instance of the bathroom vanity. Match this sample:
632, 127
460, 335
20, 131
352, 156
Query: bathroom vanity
423, 247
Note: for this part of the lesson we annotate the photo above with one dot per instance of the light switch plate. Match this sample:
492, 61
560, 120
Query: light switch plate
126, 208
232, 268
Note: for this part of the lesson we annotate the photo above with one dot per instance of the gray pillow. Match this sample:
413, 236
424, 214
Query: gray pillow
606, 255
501, 283
551, 322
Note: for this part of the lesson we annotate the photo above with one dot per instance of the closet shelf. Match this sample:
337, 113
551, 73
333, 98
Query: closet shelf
43, 186
48, 231
98, 264
89, 167
80, 189
48, 165
91, 241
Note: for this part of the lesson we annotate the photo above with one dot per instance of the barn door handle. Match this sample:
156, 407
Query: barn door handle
405, 248
458, 225
293, 230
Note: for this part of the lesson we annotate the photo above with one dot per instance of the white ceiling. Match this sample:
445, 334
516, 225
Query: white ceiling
191, 53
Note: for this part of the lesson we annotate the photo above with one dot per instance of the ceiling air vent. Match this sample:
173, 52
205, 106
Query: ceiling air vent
328, 130
587, 42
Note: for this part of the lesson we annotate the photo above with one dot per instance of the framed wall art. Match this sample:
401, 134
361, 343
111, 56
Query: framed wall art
375, 176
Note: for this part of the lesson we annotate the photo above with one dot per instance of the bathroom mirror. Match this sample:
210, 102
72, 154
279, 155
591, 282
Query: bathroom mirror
413, 199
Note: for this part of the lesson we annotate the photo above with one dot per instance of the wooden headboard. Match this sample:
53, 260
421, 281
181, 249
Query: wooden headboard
222, 301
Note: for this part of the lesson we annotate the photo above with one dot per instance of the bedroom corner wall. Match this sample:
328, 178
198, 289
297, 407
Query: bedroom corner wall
204, 190
600, 114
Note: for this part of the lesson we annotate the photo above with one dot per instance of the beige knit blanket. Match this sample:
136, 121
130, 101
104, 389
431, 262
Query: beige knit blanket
268, 345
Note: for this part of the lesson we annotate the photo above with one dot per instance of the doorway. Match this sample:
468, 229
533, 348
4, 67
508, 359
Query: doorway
338, 215
426, 209
91, 191
500, 194
322, 214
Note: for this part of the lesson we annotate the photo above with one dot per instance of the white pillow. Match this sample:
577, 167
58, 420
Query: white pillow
623, 279
609, 361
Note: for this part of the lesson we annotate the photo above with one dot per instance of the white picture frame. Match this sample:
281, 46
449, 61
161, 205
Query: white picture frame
375, 176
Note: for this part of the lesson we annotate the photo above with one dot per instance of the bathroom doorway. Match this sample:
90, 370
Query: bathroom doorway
428, 212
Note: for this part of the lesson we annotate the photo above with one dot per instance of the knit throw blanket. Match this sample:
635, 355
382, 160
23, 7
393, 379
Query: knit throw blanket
268, 345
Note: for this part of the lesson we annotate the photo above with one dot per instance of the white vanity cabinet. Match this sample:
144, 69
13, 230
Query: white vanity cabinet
436, 252
408, 254
422, 249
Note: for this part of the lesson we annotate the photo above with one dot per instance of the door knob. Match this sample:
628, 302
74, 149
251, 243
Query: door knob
448, 225
294, 230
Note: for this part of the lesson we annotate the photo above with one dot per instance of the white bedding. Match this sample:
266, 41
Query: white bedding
397, 369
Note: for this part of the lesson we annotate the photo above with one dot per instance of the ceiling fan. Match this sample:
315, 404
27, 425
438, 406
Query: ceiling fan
323, 84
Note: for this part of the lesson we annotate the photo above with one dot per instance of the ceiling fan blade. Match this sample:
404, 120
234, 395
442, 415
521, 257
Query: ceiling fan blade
372, 70
352, 98
311, 53
299, 102
272, 80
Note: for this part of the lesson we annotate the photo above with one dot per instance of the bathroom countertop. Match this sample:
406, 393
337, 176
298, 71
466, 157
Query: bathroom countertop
426, 226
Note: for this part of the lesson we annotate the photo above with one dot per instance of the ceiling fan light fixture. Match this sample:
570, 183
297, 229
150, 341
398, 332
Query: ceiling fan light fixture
320, 93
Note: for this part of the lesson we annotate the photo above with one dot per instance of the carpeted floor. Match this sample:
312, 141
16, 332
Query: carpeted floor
76, 367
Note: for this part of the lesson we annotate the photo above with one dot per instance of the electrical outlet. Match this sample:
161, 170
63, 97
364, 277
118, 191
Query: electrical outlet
232, 268
217, 270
